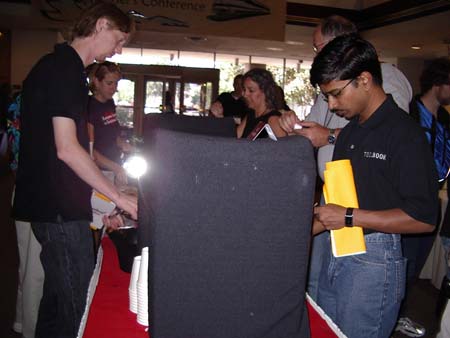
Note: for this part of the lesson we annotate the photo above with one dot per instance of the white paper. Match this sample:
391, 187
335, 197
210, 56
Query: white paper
101, 206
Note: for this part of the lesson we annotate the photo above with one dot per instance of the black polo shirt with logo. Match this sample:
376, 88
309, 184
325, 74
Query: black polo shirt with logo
46, 187
392, 163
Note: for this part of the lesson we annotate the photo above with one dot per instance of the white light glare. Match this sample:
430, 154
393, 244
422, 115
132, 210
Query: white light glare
135, 166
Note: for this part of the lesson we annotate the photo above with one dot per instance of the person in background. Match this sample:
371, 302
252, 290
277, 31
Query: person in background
445, 323
167, 107
282, 105
31, 274
103, 126
322, 125
396, 186
259, 94
231, 104
444, 293
56, 174
5, 101
428, 110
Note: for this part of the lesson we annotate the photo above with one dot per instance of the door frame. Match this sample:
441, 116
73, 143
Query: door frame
141, 73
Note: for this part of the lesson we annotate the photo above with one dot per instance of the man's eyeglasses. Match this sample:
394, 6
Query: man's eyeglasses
335, 93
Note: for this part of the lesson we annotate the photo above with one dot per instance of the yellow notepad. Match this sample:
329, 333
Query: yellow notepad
339, 188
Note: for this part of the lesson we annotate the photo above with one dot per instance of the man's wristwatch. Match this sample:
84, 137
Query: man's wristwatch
349, 217
332, 136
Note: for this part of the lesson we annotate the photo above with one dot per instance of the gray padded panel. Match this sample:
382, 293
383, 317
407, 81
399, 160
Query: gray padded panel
229, 222
212, 126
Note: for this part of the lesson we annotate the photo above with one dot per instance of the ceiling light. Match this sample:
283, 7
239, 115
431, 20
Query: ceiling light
274, 49
295, 43
416, 47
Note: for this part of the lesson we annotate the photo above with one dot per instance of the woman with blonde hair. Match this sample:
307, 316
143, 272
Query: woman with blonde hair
103, 126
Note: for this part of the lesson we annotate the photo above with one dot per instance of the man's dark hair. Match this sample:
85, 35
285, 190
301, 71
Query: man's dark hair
336, 25
435, 74
238, 77
345, 58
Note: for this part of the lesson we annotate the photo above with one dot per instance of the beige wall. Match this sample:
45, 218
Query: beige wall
27, 47
412, 68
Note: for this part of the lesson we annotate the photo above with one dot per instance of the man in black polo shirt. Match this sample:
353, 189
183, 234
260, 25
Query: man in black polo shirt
396, 185
231, 104
56, 173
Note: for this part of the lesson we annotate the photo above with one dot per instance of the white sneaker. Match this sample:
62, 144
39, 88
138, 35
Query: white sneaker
17, 327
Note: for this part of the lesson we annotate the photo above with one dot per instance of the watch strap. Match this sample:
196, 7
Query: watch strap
331, 136
349, 217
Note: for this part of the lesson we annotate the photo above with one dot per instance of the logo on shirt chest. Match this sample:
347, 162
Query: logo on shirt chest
109, 118
375, 155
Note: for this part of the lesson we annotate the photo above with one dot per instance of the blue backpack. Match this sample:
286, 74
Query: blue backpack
13, 132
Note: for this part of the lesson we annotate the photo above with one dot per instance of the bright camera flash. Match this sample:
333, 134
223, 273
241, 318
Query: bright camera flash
135, 166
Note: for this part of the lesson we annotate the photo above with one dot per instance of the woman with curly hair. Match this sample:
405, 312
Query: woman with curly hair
260, 95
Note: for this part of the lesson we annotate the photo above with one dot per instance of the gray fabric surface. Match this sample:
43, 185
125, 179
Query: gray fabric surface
228, 223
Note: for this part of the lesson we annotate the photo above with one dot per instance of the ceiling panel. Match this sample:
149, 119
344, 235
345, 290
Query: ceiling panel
385, 28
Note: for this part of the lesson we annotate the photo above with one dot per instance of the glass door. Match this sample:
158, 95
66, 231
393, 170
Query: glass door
149, 89
196, 98
124, 100
154, 95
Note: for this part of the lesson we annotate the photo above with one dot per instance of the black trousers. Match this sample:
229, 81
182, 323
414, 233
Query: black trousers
66, 257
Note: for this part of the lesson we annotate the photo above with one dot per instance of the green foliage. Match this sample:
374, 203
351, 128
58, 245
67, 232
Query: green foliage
227, 73
297, 88
125, 91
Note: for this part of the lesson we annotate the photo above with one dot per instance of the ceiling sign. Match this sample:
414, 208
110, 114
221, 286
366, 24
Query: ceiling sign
257, 19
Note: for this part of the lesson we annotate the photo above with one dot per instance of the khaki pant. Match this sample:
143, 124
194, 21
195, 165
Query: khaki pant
445, 323
31, 281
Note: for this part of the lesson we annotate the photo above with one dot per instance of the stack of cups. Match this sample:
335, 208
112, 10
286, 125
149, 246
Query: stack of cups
132, 289
142, 289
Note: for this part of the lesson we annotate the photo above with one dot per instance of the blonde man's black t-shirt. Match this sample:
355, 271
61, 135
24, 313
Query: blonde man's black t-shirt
46, 187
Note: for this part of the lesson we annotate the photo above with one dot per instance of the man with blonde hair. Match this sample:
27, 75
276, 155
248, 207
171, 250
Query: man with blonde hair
56, 174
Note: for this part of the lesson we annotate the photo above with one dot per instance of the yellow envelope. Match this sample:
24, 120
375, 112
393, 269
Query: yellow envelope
339, 188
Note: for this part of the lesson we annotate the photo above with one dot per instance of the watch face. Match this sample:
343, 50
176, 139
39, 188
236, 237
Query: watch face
331, 139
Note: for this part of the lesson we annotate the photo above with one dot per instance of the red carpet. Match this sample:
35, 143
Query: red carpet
109, 315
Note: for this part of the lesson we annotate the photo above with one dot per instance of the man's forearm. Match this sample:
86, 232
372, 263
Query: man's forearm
394, 221
105, 163
390, 221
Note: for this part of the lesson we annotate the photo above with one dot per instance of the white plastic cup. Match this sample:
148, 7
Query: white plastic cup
142, 289
143, 268
132, 289
135, 272
142, 304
